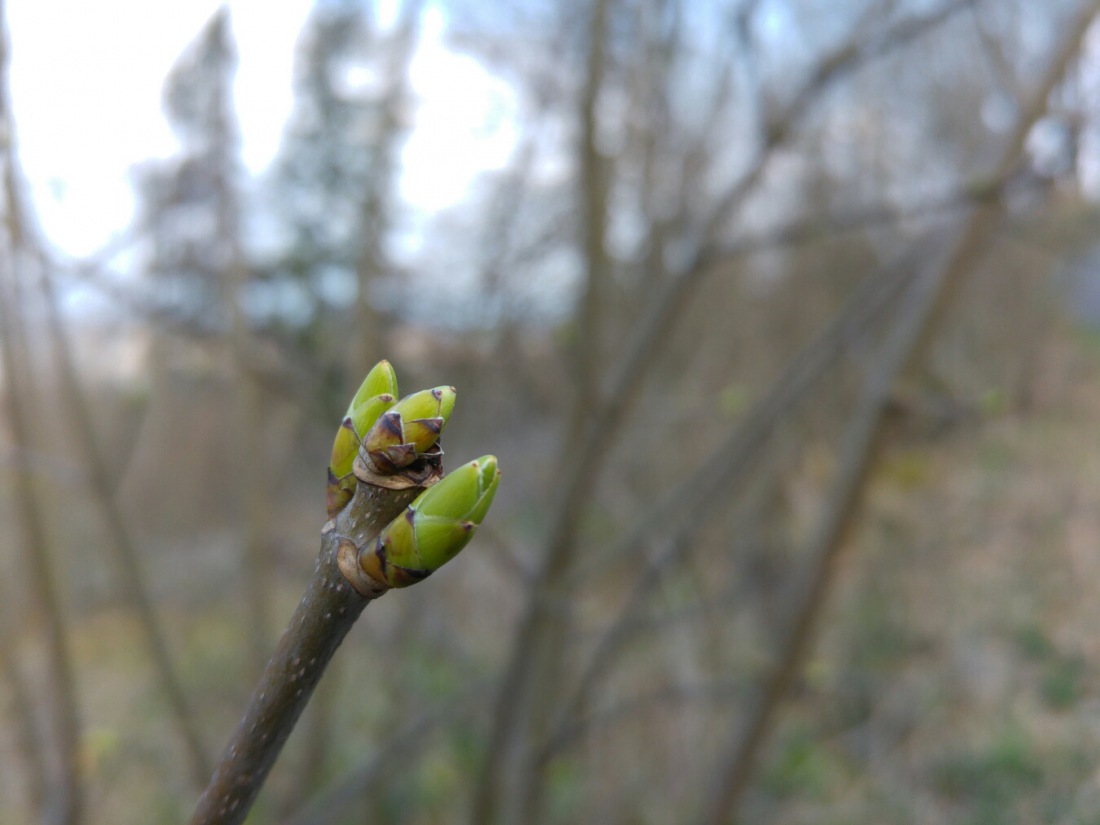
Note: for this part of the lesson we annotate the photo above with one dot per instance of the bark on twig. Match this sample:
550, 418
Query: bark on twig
324, 616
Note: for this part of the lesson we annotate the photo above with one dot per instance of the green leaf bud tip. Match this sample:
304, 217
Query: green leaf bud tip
381, 380
435, 527
408, 429
376, 394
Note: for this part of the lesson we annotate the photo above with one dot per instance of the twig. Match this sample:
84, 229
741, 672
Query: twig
324, 616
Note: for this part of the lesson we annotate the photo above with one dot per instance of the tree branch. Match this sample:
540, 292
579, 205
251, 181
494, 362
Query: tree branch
65, 804
924, 306
683, 511
325, 614
585, 458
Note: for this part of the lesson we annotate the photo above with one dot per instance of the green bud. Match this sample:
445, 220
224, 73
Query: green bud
411, 427
375, 396
349, 436
381, 380
435, 527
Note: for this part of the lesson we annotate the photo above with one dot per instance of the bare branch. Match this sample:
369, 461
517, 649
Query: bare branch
587, 454
325, 614
28, 742
67, 799
924, 305
683, 511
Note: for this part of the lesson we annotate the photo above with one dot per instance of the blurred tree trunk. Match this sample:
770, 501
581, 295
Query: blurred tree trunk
594, 175
27, 740
66, 797
593, 178
66, 794
377, 198
503, 793
252, 453
508, 790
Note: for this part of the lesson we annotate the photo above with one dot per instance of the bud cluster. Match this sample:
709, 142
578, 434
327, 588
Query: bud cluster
398, 441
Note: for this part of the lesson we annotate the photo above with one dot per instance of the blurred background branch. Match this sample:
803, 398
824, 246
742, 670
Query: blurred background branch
689, 265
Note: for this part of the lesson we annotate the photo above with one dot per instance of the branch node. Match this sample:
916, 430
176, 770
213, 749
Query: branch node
347, 559
424, 472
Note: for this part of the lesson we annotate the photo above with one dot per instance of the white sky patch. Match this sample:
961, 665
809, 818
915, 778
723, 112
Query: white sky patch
465, 122
86, 81
266, 46
86, 89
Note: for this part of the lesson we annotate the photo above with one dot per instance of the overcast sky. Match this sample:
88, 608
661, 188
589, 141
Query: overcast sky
86, 84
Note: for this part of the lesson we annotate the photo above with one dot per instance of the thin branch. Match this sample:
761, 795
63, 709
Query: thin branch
28, 742
67, 800
586, 456
924, 305
857, 454
127, 557
624, 710
682, 512
732, 462
325, 614
842, 61
274, 367
818, 228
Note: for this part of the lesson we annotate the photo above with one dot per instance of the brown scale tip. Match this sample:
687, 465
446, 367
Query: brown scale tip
433, 424
391, 422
